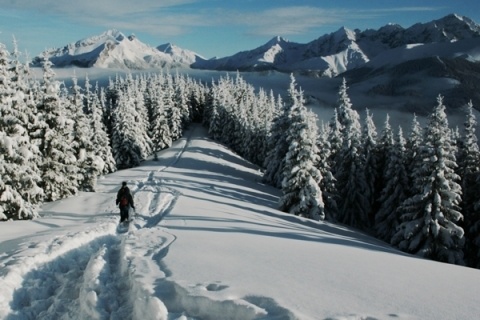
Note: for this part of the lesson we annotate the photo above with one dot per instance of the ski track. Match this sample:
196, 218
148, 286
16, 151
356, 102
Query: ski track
102, 273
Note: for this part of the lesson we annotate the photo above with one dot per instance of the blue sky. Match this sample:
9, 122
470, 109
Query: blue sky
209, 27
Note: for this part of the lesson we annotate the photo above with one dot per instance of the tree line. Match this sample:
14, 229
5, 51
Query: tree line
417, 192
56, 140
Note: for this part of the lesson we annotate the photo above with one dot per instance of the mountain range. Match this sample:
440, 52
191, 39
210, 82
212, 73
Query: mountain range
112, 49
391, 61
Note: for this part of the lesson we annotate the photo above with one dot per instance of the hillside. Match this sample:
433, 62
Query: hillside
208, 243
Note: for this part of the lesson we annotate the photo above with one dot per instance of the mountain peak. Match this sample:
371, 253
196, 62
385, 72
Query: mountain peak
276, 40
167, 47
111, 33
452, 27
343, 34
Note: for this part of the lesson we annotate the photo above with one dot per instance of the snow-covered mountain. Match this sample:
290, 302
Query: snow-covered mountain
411, 65
180, 55
345, 49
329, 55
112, 49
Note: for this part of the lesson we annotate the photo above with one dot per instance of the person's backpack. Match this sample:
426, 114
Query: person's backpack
124, 199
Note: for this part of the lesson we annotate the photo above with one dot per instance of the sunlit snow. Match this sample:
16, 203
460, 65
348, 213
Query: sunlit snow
207, 242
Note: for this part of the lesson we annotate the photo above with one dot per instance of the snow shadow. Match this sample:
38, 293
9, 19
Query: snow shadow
219, 189
321, 232
180, 302
218, 154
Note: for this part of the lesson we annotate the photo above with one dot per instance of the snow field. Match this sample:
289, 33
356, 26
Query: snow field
208, 243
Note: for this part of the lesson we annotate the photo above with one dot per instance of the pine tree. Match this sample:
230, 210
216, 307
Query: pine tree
395, 191
469, 170
412, 154
175, 116
430, 218
59, 169
349, 164
28, 155
335, 140
19, 178
277, 145
89, 165
301, 184
135, 93
125, 148
100, 138
371, 166
182, 101
160, 130
328, 184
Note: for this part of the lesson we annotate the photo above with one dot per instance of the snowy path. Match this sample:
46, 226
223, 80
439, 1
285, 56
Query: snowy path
97, 273
103, 272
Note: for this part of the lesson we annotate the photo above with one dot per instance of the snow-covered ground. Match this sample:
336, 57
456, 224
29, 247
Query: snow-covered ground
208, 243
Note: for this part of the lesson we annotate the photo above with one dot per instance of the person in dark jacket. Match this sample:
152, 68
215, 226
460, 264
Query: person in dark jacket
124, 201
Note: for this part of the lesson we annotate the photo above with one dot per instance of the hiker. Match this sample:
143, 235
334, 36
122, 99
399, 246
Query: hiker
124, 201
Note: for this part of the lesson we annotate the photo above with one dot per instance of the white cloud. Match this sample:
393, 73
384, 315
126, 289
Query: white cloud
110, 8
175, 17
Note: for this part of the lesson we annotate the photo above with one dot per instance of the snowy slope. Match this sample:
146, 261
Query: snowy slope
208, 243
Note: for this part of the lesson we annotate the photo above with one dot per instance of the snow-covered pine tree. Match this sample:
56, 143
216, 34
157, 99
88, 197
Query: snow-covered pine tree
28, 154
301, 183
349, 164
371, 165
277, 146
430, 218
182, 101
197, 98
395, 190
59, 168
328, 183
335, 140
100, 138
88, 164
109, 101
125, 147
412, 154
212, 113
242, 137
19, 177
261, 120
160, 129
175, 116
227, 111
135, 89
469, 171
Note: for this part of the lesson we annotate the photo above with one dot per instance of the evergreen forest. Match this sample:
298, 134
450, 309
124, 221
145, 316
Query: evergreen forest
417, 190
